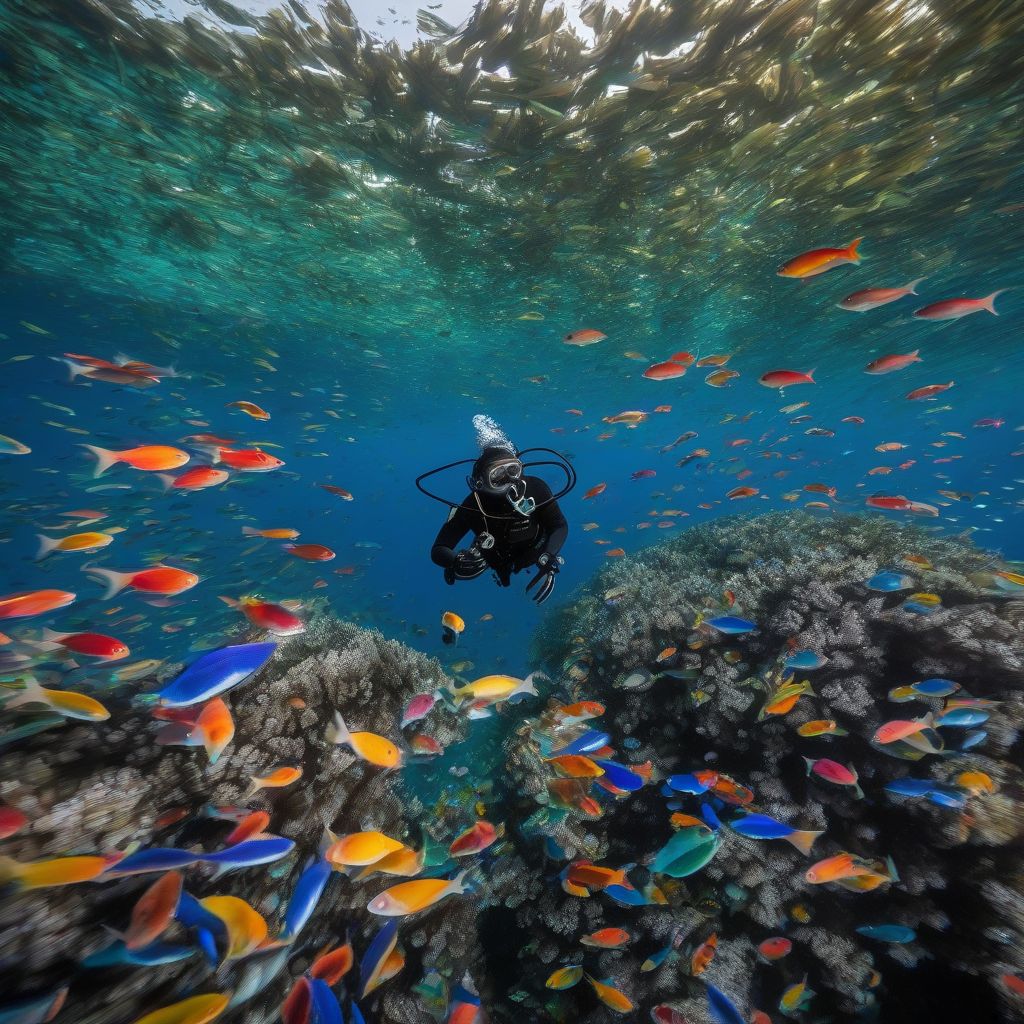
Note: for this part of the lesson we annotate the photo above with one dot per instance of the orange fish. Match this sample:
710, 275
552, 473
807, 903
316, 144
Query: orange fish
154, 911
928, 392
595, 491
82, 543
250, 409
251, 825
310, 552
607, 938
282, 533
742, 492
367, 745
615, 552
713, 361
332, 965
278, 778
361, 848
197, 479
610, 996
576, 766
664, 371
35, 602
817, 261
703, 955
151, 458
585, 336
720, 378
246, 460
339, 491
412, 897
475, 839
594, 876
831, 869
159, 579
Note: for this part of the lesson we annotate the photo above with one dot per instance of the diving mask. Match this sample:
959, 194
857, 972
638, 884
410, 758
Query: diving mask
502, 474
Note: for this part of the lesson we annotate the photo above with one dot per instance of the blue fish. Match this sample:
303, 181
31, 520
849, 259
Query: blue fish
192, 914
961, 717
214, 673
761, 826
156, 858
325, 1004
250, 853
355, 1015
972, 739
117, 953
32, 1009
947, 798
887, 932
707, 812
888, 582
208, 945
376, 953
910, 787
626, 897
687, 784
590, 740
620, 776
721, 1007
935, 687
731, 624
308, 890
915, 608
805, 661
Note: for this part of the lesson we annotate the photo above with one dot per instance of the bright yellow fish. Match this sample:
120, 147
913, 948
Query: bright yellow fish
194, 1010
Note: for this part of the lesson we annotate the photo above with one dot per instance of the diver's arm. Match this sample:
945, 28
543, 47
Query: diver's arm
443, 551
555, 526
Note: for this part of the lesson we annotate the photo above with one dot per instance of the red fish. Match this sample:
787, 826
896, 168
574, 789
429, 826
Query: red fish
886, 364
154, 911
333, 964
11, 821
272, 617
473, 840
775, 948
595, 491
742, 492
251, 825
93, 645
159, 579
643, 474
817, 261
928, 392
785, 378
953, 309
683, 358
246, 460
339, 491
34, 602
586, 336
665, 371
871, 298
310, 552
196, 479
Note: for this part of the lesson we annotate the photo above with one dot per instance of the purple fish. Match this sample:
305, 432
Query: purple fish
419, 707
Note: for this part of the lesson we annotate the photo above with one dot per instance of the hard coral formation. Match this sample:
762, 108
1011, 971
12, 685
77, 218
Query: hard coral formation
97, 791
800, 579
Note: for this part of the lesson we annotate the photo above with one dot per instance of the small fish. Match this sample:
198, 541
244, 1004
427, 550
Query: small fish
564, 977
194, 1010
339, 492
607, 938
250, 409
761, 826
366, 745
703, 955
453, 626
310, 552
890, 363
720, 378
785, 378
277, 779
615, 1000
214, 673
158, 579
65, 702
584, 336
900, 729
954, 309
361, 848
154, 911
888, 582
332, 965
35, 602
481, 835
832, 771
274, 618
418, 708
149, 458
246, 929
197, 479
731, 624
305, 897
775, 948
796, 998
8, 446
12, 821
594, 491
872, 298
56, 871
817, 261
278, 533
895, 933
821, 727
412, 897
664, 371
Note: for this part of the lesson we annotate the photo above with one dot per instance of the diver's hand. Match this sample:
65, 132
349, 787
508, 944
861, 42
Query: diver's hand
468, 564
545, 578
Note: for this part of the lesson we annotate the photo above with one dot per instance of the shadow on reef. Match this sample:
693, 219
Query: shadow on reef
688, 697
680, 700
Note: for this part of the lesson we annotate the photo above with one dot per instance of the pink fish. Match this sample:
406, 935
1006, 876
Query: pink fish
900, 729
785, 378
886, 364
871, 298
953, 309
833, 771
419, 707
643, 474
989, 422
928, 392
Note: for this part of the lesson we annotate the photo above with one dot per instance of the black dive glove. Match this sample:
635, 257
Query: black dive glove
468, 564
544, 581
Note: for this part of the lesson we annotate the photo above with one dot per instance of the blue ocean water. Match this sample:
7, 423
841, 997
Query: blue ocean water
375, 246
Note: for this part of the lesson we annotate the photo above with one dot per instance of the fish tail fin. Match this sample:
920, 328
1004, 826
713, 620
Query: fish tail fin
840, 731
10, 870
46, 546
916, 357
32, 694
810, 764
810, 375
852, 250
459, 884
115, 581
911, 288
858, 793
989, 302
890, 865
250, 531
167, 480
104, 459
211, 451
338, 732
803, 841
231, 602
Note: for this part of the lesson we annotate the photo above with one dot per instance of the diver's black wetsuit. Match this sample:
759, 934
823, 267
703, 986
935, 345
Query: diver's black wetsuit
518, 540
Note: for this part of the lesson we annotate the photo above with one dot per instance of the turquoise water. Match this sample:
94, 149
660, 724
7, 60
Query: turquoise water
375, 246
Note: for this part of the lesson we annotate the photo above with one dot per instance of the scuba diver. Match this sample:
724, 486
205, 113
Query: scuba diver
514, 517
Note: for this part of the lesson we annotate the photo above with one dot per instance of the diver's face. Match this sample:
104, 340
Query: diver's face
502, 475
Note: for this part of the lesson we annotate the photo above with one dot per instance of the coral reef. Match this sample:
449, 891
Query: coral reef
801, 580
100, 789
